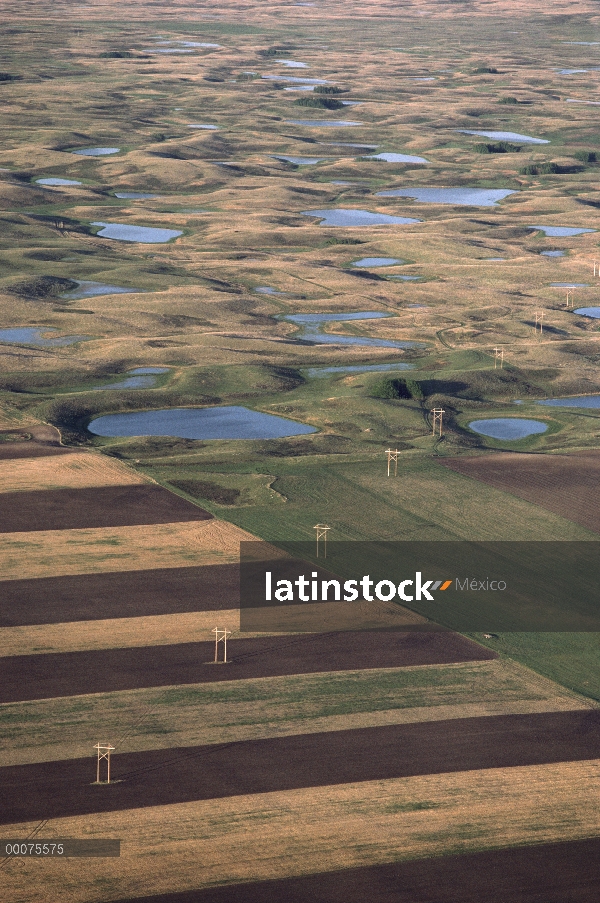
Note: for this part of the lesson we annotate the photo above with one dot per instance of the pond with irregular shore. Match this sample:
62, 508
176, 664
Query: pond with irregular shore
508, 428
312, 330
229, 422
347, 217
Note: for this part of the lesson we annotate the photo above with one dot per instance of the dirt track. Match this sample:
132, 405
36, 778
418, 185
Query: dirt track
27, 677
106, 506
548, 873
120, 594
567, 485
164, 777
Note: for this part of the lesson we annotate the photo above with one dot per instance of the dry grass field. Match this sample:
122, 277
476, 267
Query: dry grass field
335, 766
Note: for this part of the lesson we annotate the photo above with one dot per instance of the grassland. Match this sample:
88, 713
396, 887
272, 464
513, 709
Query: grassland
88, 76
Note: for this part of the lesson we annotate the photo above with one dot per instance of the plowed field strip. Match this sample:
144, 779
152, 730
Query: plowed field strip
80, 469
116, 633
120, 594
99, 671
67, 552
164, 777
103, 506
564, 484
544, 872
315, 830
273, 707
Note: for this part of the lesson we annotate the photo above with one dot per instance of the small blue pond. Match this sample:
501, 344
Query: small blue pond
508, 427
267, 290
32, 335
593, 312
203, 125
560, 231
406, 278
140, 378
233, 422
581, 401
88, 289
552, 253
316, 372
312, 330
292, 64
377, 262
120, 232
57, 182
569, 284
299, 161
504, 136
295, 79
397, 158
474, 197
343, 217
96, 151
323, 123
134, 195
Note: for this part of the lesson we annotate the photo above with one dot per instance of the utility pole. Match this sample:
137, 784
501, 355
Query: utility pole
221, 635
392, 456
539, 319
322, 534
104, 751
438, 415
498, 356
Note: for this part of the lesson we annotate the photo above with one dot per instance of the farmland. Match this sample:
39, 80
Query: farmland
334, 765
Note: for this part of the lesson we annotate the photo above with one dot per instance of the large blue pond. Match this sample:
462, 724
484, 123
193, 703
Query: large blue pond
593, 312
504, 136
508, 427
299, 161
32, 335
143, 234
323, 123
312, 330
581, 401
96, 151
233, 422
87, 289
397, 158
377, 262
139, 378
344, 217
59, 182
473, 197
561, 231
316, 372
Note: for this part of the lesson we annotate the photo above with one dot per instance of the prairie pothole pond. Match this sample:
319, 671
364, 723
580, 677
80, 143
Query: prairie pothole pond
580, 401
508, 428
135, 196
560, 231
51, 182
397, 158
96, 151
504, 136
593, 312
348, 217
472, 197
230, 422
313, 324
323, 123
87, 289
299, 161
377, 262
138, 378
143, 234
40, 336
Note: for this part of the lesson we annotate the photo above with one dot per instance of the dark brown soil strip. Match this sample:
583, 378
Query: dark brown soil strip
567, 485
13, 450
120, 594
168, 776
546, 873
105, 506
26, 677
